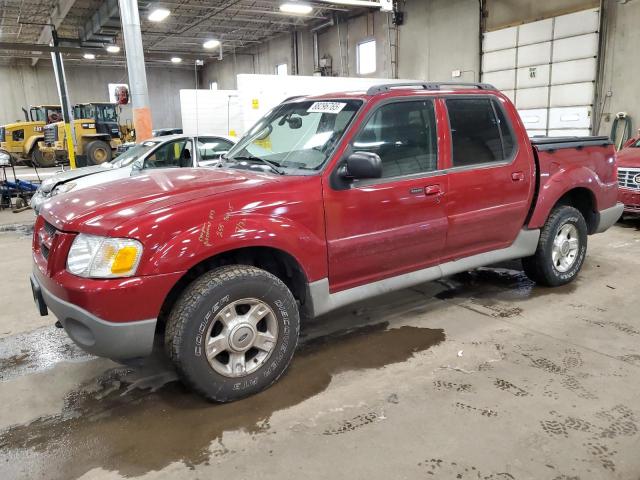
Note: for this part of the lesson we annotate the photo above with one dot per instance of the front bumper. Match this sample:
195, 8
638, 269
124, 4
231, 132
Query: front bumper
37, 200
607, 217
631, 200
115, 340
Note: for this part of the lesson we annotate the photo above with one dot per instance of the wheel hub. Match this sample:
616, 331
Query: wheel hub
565, 248
241, 337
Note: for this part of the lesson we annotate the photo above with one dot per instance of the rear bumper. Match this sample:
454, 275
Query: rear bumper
115, 340
607, 217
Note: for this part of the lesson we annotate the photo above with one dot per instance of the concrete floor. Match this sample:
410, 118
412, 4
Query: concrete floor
481, 376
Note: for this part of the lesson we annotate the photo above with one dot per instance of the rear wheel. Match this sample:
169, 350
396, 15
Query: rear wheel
561, 249
233, 332
98, 152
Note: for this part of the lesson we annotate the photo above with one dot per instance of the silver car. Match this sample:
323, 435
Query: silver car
171, 151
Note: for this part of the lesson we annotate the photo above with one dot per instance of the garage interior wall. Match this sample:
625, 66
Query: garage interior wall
426, 48
36, 85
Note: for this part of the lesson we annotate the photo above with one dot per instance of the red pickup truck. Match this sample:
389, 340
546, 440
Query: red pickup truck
326, 201
629, 176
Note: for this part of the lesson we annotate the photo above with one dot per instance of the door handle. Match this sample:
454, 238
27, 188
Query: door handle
517, 176
430, 190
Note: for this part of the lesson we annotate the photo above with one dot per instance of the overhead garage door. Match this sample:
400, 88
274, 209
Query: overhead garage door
548, 68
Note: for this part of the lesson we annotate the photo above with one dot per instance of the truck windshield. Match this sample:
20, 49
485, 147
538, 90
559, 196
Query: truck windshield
296, 135
106, 113
37, 114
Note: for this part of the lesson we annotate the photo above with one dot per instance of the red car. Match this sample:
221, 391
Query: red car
326, 201
629, 176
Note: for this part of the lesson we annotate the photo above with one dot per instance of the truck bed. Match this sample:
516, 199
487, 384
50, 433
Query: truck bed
557, 143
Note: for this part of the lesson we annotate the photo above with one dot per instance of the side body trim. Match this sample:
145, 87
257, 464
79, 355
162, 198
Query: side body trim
323, 301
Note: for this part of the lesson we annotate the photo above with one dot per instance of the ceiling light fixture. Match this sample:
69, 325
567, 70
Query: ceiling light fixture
176, 59
296, 8
89, 56
211, 43
113, 48
158, 15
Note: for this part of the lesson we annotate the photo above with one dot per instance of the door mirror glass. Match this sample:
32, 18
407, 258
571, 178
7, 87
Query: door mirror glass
361, 165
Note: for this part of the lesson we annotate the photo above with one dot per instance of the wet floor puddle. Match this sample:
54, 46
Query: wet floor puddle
139, 431
36, 351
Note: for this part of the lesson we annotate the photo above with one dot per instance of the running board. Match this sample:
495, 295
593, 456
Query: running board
322, 301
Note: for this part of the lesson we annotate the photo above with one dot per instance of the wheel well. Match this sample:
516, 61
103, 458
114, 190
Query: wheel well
583, 200
274, 261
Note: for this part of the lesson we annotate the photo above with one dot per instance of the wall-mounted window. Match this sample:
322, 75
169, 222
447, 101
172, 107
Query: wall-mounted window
213, 85
366, 57
281, 69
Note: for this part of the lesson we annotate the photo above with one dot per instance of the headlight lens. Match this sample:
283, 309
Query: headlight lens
64, 188
103, 257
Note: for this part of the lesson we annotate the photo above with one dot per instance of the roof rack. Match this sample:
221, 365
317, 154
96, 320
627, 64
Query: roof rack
385, 87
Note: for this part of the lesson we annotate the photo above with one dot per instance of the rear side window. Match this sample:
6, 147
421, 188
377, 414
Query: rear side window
479, 132
404, 135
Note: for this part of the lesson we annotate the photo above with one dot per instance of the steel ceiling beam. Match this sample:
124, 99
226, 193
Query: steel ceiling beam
56, 17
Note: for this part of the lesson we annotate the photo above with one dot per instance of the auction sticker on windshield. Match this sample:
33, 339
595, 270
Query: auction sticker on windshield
326, 107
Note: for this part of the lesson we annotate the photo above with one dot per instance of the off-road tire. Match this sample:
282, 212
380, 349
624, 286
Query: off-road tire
539, 267
38, 159
98, 146
197, 307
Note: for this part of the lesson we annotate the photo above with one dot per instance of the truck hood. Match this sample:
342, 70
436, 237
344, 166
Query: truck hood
21, 124
63, 177
628, 157
100, 208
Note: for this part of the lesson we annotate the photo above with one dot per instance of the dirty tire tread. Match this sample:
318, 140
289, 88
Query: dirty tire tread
536, 267
187, 304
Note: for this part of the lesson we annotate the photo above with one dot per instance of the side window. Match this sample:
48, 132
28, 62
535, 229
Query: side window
479, 132
171, 155
17, 135
404, 135
212, 148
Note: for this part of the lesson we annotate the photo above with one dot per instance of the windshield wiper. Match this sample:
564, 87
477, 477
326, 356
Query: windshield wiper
250, 158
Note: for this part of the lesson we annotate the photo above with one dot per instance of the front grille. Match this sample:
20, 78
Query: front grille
50, 134
629, 178
45, 237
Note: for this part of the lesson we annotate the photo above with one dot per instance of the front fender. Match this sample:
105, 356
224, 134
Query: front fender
29, 144
558, 183
222, 233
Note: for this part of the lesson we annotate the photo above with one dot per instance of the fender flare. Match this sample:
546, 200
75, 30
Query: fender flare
559, 184
32, 142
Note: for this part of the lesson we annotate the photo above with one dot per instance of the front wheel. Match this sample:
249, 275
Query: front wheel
98, 152
233, 332
41, 160
562, 248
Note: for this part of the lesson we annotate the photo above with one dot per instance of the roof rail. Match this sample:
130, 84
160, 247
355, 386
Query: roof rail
385, 87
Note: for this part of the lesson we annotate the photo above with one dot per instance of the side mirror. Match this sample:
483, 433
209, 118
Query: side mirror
361, 165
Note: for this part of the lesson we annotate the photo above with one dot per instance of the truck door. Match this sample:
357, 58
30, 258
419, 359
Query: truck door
379, 228
491, 178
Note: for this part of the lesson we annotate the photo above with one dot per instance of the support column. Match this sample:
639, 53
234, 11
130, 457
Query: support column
135, 66
67, 111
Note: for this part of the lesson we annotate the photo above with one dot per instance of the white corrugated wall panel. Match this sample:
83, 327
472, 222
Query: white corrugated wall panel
532, 98
536, 54
576, 71
535, 32
537, 76
502, 80
582, 132
570, 118
572, 94
500, 39
578, 23
535, 119
571, 48
499, 60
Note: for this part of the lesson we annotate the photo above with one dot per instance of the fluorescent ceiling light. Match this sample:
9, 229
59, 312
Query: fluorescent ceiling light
297, 8
176, 59
89, 56
113, 48
211, 43
159, 14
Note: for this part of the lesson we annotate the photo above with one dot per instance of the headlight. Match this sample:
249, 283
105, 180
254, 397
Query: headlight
64, 188
103, 257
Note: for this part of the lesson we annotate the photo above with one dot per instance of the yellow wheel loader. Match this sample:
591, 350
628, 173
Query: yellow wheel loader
97, 134
20, 139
